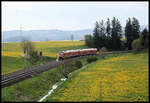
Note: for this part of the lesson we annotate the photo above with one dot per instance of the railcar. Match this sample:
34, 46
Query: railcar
75, 53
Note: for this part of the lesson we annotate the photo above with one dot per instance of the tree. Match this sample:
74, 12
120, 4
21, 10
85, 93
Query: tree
99, 35
108, 28
29, 49
24, 44
89, 40
108, 33
116, 35
137, 46
128, 33
108, 36
96, 35
144, 38
102, 36
135, 28
131, 31
72, 37
142, 42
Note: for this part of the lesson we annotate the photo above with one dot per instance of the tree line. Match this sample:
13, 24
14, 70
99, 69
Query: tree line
109, 34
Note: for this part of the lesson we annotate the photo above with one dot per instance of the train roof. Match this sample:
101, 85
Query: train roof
78, 50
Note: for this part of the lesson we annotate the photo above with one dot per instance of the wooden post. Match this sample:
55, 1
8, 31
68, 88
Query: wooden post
40, 53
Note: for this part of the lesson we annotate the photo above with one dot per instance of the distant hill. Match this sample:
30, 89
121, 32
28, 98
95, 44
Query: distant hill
47, 35
43, 35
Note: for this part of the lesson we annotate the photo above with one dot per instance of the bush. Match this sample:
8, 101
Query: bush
33, 57
66, 68
91, 59
78, 64
142, 42
137, 46
103, 49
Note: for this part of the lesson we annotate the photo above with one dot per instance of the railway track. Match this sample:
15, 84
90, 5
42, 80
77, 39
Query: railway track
20, 75
14, 77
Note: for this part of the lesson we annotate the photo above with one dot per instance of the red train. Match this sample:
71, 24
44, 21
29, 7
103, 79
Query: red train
75, 53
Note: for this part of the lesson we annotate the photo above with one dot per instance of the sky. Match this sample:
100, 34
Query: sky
68, 15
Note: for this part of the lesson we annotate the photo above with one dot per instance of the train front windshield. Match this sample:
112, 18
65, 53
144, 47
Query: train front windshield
61, 53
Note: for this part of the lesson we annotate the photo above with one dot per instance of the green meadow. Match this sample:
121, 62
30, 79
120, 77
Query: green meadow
33, 89
13, 61
118, 77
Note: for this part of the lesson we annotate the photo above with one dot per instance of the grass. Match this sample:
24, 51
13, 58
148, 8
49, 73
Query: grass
33, 89
119, 77
9, 64
50, 48
12, 64
11, 53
